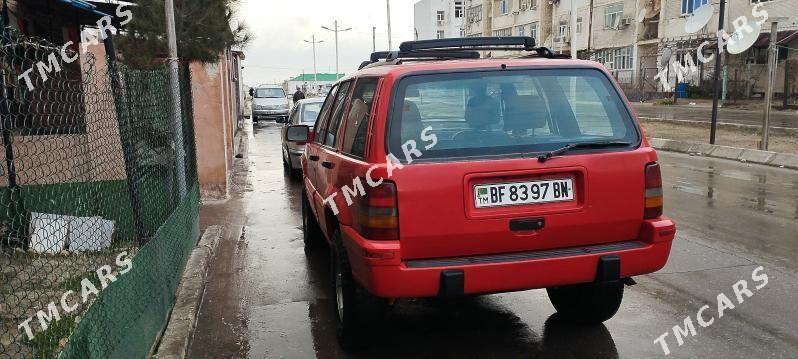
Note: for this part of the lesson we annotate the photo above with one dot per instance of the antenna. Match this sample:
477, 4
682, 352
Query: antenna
667, 53
699, 19
742, 40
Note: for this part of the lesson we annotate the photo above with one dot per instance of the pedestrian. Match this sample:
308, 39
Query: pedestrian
298, 95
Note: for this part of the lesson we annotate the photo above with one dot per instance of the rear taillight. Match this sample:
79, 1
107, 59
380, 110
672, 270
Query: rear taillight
377, 214
653, 201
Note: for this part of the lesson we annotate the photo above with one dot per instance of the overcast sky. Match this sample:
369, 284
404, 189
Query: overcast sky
278, 51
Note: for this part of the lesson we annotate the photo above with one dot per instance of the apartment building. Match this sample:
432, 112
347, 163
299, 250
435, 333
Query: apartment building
629, 36
744, 74
438, 19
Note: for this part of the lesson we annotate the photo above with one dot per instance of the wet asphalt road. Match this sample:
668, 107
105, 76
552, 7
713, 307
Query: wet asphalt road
784, 119
267, 299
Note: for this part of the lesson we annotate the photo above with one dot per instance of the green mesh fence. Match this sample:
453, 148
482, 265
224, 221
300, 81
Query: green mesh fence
94, 233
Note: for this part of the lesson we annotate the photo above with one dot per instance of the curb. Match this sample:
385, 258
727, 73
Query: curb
175, 340
768, 158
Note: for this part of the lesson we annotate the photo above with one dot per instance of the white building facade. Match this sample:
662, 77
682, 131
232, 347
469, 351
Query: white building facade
627, 36
438, 19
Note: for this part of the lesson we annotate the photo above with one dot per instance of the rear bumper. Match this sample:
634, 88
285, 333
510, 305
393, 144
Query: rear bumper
377, 266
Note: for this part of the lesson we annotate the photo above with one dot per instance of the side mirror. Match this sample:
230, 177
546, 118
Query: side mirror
299, 134
252, 92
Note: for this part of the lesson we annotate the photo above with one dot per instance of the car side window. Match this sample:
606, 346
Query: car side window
337, 114
357, 121
294, 116
321, 121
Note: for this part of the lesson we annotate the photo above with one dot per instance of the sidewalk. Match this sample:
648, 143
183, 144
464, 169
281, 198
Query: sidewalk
752, 105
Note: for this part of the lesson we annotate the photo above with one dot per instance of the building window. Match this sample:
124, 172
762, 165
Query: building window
613, 14
579, 25
441, 34
479, 34
504, 7
474, 14
615, 59
521, 30
503, 32
527, 5
688, 6
563, 33
440, 16
462, 32
458, 9
533, 30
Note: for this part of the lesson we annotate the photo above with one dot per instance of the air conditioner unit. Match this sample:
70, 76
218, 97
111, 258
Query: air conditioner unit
440, 22
623, 22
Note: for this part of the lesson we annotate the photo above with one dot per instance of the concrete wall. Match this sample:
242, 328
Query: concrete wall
212, 127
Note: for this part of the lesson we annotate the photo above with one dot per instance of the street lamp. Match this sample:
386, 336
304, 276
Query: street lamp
314, 42
336, 30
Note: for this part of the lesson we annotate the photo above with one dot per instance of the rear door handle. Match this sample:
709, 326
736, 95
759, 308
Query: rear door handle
313, 157
326, 164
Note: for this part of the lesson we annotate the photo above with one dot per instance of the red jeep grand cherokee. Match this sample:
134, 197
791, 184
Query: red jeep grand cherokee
432, 172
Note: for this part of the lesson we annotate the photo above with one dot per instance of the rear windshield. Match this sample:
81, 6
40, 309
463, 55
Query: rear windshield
310, 111
510, 112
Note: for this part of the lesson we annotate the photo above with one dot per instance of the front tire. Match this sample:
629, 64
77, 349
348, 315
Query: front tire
356, 311
588, 303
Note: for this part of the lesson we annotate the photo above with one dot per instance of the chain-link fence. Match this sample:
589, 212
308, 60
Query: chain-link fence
93, 232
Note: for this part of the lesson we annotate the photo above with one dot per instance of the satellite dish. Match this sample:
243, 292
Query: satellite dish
742, 39
699, 19
641, 16
667, 53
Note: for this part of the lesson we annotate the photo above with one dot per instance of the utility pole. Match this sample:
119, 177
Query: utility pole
336, 31
716, 89
176, 113
373, 39
590, 29
573, 30
315, 72
773, 57
390, 45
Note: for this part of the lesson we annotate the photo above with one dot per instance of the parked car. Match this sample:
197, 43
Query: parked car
472, 176
304, 112
269, 102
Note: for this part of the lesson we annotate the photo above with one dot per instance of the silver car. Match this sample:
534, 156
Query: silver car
304, 112
269, 102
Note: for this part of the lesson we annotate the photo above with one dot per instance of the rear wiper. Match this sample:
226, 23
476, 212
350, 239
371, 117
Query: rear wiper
542, 158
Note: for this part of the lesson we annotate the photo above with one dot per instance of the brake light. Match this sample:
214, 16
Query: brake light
377, 213
653, 198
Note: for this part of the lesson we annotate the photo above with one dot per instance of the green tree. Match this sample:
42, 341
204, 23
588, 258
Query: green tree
205, 28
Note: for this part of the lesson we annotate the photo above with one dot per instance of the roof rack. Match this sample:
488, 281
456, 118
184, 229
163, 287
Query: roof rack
459, 48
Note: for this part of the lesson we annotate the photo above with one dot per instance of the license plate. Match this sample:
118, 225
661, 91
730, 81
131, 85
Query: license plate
508, 194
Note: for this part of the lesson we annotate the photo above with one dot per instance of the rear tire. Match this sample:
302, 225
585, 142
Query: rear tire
356, 311
311, 231
588, 303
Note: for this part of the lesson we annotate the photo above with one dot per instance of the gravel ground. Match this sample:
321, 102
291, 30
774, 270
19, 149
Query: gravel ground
725, 136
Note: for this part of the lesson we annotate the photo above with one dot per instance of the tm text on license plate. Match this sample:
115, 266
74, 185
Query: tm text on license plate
507, 194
